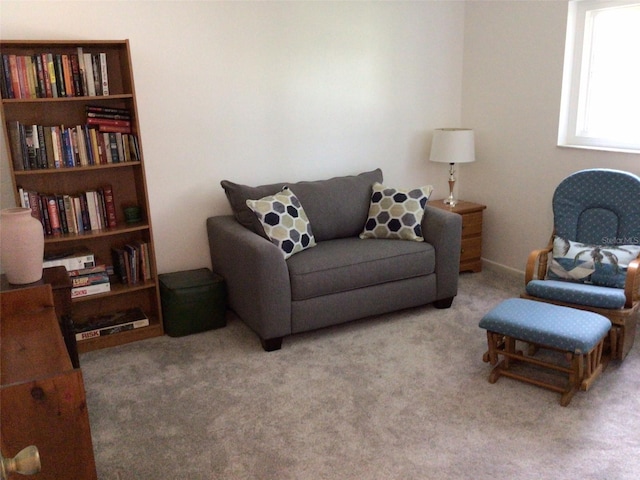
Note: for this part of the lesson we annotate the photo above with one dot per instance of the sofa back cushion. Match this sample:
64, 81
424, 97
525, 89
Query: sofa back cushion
336, 208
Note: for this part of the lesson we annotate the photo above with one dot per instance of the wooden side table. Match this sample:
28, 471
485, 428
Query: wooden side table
60, 283
42, 397
471, 248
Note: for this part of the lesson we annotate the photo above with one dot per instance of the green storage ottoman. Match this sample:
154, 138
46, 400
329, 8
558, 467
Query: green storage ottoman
192, 301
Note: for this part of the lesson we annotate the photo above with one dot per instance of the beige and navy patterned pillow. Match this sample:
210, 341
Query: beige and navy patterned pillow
395, 213
284, 221
604, 265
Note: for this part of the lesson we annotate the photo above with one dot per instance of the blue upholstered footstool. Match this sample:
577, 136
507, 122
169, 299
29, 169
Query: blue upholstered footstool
578, 334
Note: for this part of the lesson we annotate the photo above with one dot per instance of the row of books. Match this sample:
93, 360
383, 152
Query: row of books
82, 212
39, 147
54, 75
131, 262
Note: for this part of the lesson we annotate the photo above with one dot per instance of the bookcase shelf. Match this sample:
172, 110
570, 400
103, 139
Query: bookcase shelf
126, 178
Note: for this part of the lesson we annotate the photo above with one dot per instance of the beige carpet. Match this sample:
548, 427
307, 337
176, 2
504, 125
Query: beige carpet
400, 396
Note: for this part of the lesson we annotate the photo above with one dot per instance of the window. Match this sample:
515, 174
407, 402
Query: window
600, 106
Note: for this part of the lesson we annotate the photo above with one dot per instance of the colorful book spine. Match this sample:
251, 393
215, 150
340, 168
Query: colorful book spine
77, 292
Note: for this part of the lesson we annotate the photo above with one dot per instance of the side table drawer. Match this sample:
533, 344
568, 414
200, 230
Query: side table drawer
471, 224
471, 241
470, 249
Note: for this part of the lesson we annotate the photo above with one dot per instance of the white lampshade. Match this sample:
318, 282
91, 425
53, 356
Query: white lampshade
453, 145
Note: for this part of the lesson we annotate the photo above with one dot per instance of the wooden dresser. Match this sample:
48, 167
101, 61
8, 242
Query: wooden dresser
471, 248
42, 396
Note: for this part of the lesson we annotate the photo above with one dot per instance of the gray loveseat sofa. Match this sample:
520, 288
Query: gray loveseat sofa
343, 277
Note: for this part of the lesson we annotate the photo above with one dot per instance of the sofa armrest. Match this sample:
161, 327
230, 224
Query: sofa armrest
443, 230
256, 274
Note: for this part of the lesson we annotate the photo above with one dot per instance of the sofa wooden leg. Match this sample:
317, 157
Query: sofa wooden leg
271, 344
443, 303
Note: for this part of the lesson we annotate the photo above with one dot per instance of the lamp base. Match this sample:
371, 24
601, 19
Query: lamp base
452, 202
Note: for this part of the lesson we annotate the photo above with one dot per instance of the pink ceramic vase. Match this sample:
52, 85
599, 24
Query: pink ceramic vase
21, 246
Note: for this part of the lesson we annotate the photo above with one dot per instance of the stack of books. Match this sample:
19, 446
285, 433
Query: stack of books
89, 281
87, 278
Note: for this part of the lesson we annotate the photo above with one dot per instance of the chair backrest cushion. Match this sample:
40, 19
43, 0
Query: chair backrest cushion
598, 207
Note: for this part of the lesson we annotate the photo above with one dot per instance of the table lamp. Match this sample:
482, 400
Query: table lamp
452, 145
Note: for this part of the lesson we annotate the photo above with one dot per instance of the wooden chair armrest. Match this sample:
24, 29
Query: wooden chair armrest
537, 264
632, 283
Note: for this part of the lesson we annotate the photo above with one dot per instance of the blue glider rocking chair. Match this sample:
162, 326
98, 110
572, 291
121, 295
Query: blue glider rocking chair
592, 261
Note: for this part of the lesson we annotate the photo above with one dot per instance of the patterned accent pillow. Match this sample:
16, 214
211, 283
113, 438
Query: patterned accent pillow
284, 221
604, 265
395, 213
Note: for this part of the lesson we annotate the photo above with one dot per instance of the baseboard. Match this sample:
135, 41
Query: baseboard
503, 269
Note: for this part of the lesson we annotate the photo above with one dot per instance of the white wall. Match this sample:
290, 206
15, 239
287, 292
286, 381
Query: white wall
257, 92
513, 60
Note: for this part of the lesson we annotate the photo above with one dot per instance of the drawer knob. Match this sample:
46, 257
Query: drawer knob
37, 393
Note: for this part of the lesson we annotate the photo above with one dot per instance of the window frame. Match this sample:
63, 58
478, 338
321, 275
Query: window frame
573, 79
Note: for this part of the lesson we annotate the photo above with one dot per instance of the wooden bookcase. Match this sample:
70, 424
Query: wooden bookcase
126, 178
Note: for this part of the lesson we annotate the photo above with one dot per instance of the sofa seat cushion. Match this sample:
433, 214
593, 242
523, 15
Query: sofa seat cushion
345, 264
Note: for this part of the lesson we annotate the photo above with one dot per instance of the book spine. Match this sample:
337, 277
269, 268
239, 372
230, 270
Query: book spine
75, 75
48, 142
77, 292
42, 149
62, 213
22, 77
54, 215
67, 147
102, 268
108, 121
97, 80
70, 214
58, 158
68, 76
6, 71
77, 207
52, 75
15, 76
91, 209
59, 71
112, 329
89, 279
88, 145
74, 262
82, 70
31, 142
88, 70
103, 74
113, 146
119, 267
108, 112
15, 141
44, 210
84, 208
41, 76
31, 76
